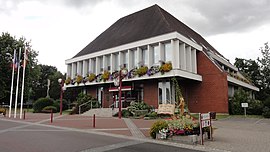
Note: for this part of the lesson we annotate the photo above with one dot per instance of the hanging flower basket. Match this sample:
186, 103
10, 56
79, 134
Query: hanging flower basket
79, 79
153, 70
166, 67
105, 76
91, 77
142, 70
68, 81
132, 73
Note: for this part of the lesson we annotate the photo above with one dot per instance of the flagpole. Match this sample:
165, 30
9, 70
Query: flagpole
17, 87
24, 65
12, 80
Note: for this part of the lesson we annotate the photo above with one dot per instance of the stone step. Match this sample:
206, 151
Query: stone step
101, 112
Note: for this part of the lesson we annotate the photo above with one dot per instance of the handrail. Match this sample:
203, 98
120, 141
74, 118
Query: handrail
83, 105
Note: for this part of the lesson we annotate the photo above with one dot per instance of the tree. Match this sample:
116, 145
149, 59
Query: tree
7, 46
264, 63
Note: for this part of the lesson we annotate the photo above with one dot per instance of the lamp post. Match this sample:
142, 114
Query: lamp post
122, 74
61, 83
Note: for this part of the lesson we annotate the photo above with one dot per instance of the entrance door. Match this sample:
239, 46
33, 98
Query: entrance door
165, 93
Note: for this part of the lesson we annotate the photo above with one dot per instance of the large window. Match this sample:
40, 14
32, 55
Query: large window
168, 51
145, 56
156, 54
165, 93
125, 59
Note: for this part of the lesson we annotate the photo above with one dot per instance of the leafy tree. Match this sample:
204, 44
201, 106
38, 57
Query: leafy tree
8, 44
264, 63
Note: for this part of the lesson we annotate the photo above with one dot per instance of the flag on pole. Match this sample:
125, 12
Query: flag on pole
24, 65
26, 59
17, 87
12, 80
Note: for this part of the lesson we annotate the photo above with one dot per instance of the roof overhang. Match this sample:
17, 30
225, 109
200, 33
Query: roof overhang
152, 40
240, 83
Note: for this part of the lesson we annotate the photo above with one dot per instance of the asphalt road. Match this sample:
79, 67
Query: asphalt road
18, 136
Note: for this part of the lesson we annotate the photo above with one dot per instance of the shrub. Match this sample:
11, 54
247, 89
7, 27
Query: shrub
255, 107
235, 102
48, 109
41, 103
267, 102
266, 112
136, 108
152, 114
64, 103
125, 113
158, 125
83, 98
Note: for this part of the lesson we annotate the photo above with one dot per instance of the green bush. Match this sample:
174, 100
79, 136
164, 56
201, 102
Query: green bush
41, 103
235, 102
266, 112
255, 107
64, 104
83, 98
158, 125
48, 109
266, 102
135, 108
152, 114
125, 113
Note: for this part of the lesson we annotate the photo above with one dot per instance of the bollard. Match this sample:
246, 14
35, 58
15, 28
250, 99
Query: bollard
51, 115
24, 115
94, 121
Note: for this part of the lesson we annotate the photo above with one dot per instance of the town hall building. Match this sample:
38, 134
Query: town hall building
151, 46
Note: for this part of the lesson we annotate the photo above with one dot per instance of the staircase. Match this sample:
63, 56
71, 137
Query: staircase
101, 112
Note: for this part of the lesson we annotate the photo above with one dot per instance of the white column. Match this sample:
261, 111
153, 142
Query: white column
139, 55
121, 58
194, 60
69, 70
112, 63
150, 55
104, 63
130, 59
97, 66
74, 70
90, 70
161, 51
85, 67
183, 56
176, 54
188, 58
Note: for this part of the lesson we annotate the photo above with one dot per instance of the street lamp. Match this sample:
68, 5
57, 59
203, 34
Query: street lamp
61, 83
122, 73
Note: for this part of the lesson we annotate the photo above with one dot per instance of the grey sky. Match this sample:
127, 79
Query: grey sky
236, 28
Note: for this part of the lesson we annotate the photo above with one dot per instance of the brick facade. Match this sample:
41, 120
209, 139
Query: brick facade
212, 93
150, 92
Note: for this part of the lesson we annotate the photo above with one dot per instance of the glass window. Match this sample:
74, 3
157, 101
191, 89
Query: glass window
164, 93
145, 57
168, 52
125, 59
108, 57
94, 65
156, 54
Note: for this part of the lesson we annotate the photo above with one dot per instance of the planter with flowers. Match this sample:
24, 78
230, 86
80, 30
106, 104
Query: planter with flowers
132, 73
165, 67
68, 81
153, 70
142, 70
79, 79
99, 78
91, 77
105, 76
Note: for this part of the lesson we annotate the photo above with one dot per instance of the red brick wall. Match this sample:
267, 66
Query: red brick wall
92, 90
150, 92
212, 93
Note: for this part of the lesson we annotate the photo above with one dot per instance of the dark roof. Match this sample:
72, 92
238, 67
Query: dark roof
149, 22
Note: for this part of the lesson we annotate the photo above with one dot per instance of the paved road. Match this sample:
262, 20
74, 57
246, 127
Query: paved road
17, 136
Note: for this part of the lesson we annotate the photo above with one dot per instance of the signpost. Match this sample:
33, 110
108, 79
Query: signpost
205, 121
244, 105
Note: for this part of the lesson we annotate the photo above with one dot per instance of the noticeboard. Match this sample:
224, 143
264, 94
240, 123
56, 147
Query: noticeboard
166, 109
244, 105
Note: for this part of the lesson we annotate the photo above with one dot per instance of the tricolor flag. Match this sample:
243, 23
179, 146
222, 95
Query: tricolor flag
15, 61
25, 57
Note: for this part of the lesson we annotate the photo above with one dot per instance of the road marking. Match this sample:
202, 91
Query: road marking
258, 121
113, 146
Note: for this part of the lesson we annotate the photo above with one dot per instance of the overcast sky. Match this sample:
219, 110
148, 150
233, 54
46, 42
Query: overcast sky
59, 29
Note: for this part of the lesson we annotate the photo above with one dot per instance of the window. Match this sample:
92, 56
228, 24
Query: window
156, 54
125, 59
136, 59
145, 56
165, 93
93, 65
108, 62
168, 51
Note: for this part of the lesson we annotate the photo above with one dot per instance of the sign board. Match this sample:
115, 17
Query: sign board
244, 105
206, 123
205, 116
166, 109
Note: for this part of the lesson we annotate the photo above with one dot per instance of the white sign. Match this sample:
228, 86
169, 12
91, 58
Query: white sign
205, 116
206, 123
244, 105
